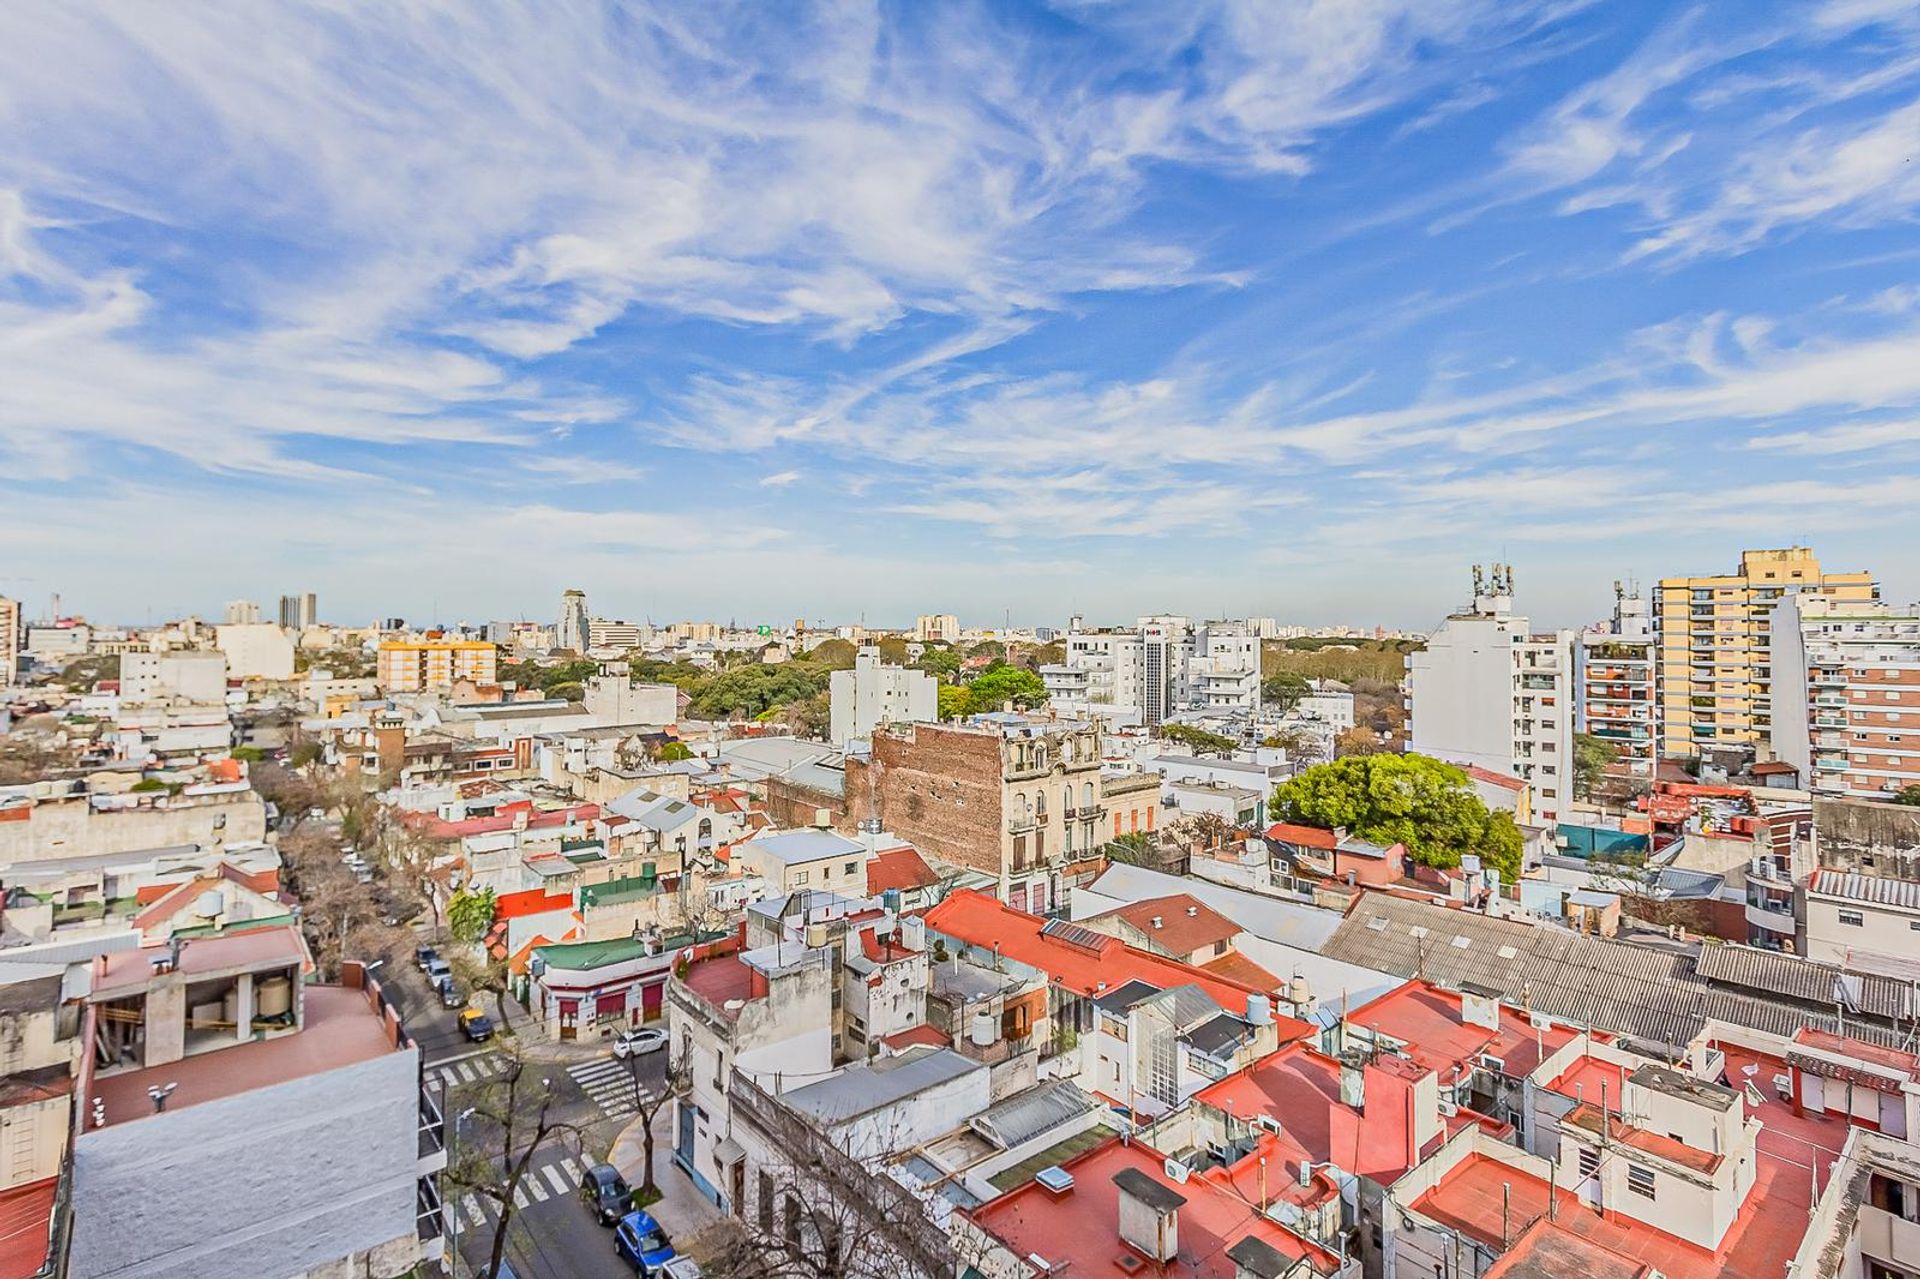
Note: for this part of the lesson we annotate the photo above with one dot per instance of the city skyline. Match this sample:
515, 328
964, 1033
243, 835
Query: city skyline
1291, 315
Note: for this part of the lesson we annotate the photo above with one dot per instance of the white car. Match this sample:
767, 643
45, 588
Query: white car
636, 1043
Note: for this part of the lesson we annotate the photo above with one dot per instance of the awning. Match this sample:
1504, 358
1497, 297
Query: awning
729, 1151
1835, 1070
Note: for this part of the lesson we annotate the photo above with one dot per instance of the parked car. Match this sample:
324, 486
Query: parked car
449, 997
476, 1026
681, 1268
607, 1194
638, 1043
423, 956
642, 1242
438, 969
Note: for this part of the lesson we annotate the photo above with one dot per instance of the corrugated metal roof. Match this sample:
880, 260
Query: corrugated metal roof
1853, 886
1026, 1115
1653, 996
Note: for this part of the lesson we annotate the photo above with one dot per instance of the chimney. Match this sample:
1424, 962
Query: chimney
1149, 1215
1156, 921
1193, 912
1479, 1008
1255, 1258
1353, 1081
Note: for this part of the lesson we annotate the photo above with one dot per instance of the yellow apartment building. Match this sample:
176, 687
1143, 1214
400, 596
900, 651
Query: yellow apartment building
411, 666
1714, 635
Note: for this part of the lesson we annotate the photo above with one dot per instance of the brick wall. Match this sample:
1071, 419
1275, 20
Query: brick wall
938, 788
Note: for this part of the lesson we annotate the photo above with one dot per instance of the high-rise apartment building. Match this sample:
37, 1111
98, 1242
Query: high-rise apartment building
10, 638
1487, 691
873, 693
298, 612
942, 628
1164, 667
1846, 695
1615, 697
242, 613
412, 666
573, 630
1716, 673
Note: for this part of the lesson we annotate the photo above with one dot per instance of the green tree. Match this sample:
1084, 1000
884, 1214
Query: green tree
1592, 757
1050, 654
248, 754
998, 685
1283, 690
305, 753
1198, 739
833, 654
939, 661
893, 650
1135, 847
988, 648
955, 700
751, 691
1423, 803
470, 914
670, 752
146, 784
1910, 797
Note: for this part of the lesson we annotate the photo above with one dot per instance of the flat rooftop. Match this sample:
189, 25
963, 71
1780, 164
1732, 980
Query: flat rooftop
131, 971
340, 1028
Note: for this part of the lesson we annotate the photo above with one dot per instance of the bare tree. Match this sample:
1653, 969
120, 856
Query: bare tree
646, 1105
818, 1212
515, 1114
478, 971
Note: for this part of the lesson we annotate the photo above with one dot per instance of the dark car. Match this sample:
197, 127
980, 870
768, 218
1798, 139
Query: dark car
607, 1194
449, 997
423, 957
641, 1241
476, 1026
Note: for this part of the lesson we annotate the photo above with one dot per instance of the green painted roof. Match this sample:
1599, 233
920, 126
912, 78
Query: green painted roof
632, 888
590, 954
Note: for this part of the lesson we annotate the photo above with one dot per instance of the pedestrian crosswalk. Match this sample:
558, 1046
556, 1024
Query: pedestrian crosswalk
553, 1175
469, 1070
608, 1081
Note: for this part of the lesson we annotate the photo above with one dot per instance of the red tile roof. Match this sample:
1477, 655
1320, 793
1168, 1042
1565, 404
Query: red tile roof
983, 922
921, 1034
1078, 1232
1235, 966
902, 869
1186, 923
1505, 781
26, 1227
438, 827
1304, 836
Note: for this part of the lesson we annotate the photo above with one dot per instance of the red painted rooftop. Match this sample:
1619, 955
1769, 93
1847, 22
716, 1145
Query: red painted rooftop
532, 901
921, 1034
983, 922
1547, 1251
1428, 1019
1235, 966
1847, 1045
339, 1028
1078, 1233
439, 828
719, 980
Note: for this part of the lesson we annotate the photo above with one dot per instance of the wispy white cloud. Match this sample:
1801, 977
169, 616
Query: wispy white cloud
779, 479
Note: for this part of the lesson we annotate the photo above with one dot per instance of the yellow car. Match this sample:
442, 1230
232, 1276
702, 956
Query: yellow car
476, 1025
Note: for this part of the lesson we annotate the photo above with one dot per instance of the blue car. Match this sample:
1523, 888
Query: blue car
640, 1240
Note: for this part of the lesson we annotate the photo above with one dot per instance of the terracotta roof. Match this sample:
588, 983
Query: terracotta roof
1081, 960
1235, 966
921, 1034
1304, 836
532, 901
1503, 780
900, 868
1185, 923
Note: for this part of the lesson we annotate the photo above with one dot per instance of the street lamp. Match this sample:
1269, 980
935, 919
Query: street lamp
453, 1210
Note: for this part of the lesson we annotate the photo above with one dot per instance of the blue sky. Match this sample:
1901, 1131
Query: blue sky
1278, 308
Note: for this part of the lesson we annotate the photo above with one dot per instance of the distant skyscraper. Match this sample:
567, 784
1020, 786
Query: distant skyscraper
9, 640
574, 628
297, 612
242, 613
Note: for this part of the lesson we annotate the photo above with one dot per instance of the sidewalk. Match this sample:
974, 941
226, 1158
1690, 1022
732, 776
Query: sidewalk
682, 1210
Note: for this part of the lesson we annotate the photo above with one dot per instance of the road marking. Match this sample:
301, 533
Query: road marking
471, 1206
573, 1170
552, 1174
463, 1056
468, 1072
520, 1196
535, 1188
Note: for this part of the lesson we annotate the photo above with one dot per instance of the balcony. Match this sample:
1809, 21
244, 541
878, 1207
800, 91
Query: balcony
1769, 870
1019, 823
1771, 919
1891, 1240
433, 1135
430, 1220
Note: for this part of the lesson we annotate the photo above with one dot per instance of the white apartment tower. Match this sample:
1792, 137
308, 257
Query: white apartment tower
1486, 691
1165, 666
574, 629
243, 613
1846, 694
872, 694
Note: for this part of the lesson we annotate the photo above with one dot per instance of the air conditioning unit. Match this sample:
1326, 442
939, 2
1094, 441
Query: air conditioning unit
1267, 1122
1448, 1109
1176, 1171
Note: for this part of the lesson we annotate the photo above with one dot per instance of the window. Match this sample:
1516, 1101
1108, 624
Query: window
799, 877
1852, 918
1640, 1180
1589, 1161
851, 867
